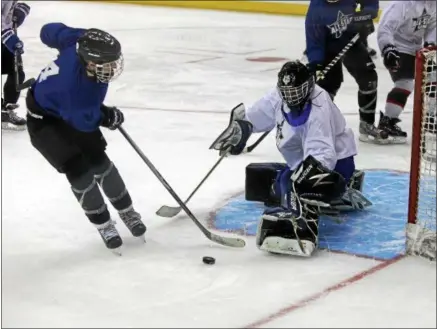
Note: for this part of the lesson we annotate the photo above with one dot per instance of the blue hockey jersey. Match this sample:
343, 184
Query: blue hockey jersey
329, 26
63, 88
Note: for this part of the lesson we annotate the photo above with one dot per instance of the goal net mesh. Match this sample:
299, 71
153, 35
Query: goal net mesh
421, 231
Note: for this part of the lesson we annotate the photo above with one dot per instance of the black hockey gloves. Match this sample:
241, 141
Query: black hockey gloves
21, 10
112, 117
235, 136
391, 57
317, 70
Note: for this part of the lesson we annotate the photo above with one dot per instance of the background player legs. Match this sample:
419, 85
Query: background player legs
360, 65
403, 79
10, 120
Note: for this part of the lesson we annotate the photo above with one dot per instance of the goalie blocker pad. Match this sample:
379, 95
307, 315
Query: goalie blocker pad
260, 178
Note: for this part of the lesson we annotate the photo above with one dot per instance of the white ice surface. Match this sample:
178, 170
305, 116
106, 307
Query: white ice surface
185, 70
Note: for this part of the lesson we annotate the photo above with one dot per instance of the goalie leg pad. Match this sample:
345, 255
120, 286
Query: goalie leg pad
260, 179
357, 180
280, 232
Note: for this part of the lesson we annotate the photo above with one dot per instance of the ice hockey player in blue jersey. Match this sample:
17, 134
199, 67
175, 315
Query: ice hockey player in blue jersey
13, 16
65, 111
329, 26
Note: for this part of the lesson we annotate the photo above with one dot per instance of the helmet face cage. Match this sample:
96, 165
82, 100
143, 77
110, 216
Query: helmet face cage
110, 71
296, 95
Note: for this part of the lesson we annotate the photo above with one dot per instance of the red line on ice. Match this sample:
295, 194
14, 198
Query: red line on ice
304, 302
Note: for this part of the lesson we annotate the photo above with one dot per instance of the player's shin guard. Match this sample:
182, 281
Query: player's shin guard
90, 198
114, 188
367, 96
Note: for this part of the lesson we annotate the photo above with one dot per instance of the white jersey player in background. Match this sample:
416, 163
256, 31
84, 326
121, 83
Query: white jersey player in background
405, 27
319, 151
12, 13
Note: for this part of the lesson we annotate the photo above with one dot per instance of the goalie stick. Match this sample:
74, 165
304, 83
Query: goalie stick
226, 241
259, 140
168, 211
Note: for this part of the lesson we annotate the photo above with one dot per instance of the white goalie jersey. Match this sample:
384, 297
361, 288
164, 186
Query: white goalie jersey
7, 13
324, 135
407, 25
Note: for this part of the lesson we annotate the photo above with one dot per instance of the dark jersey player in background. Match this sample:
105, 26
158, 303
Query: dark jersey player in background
329, 26
12, 13
65, 110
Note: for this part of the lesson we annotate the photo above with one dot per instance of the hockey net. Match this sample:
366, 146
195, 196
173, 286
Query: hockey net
421, 228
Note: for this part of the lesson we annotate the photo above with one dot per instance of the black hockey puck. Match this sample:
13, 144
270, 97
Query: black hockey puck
209, 260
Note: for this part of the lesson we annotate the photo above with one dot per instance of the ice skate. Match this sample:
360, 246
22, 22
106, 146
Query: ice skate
390, 126
371, 134
133, 222
10, 120
110, 236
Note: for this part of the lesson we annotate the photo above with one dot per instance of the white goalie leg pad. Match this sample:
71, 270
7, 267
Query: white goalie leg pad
280, 245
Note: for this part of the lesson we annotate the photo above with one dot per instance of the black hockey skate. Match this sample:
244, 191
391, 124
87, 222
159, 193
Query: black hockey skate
390, 125
133, 222
10, 120
371, 134
110, 235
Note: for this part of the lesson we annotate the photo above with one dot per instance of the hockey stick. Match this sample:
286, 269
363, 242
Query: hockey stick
167, 211
226, 241
250, 148
18, 62
326, 70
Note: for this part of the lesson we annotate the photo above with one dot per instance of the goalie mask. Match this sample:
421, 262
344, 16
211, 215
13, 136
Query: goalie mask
102, 55
295, 84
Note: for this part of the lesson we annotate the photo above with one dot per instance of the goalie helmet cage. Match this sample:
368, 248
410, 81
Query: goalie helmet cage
421, 227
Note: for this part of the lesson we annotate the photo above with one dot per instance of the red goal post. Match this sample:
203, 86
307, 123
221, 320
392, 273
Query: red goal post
421, 228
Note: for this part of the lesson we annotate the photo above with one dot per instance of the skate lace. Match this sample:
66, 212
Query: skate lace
394, 124
131, 218
108, 232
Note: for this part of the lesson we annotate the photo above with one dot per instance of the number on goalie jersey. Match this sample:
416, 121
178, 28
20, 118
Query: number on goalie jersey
65, 111
329, 26
405, 27
318, 148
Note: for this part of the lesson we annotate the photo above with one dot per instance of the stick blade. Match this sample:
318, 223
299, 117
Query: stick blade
228, 241
168, 212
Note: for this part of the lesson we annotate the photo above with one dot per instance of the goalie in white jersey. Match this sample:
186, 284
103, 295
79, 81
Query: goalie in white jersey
405, 27
319, 175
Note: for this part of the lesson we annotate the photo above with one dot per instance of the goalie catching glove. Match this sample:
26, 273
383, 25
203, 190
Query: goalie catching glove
293, 228
234, 138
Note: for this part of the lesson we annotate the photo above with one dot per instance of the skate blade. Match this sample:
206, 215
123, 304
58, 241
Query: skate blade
7, 126
117, 251
397, 140
371, 140
142, 238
